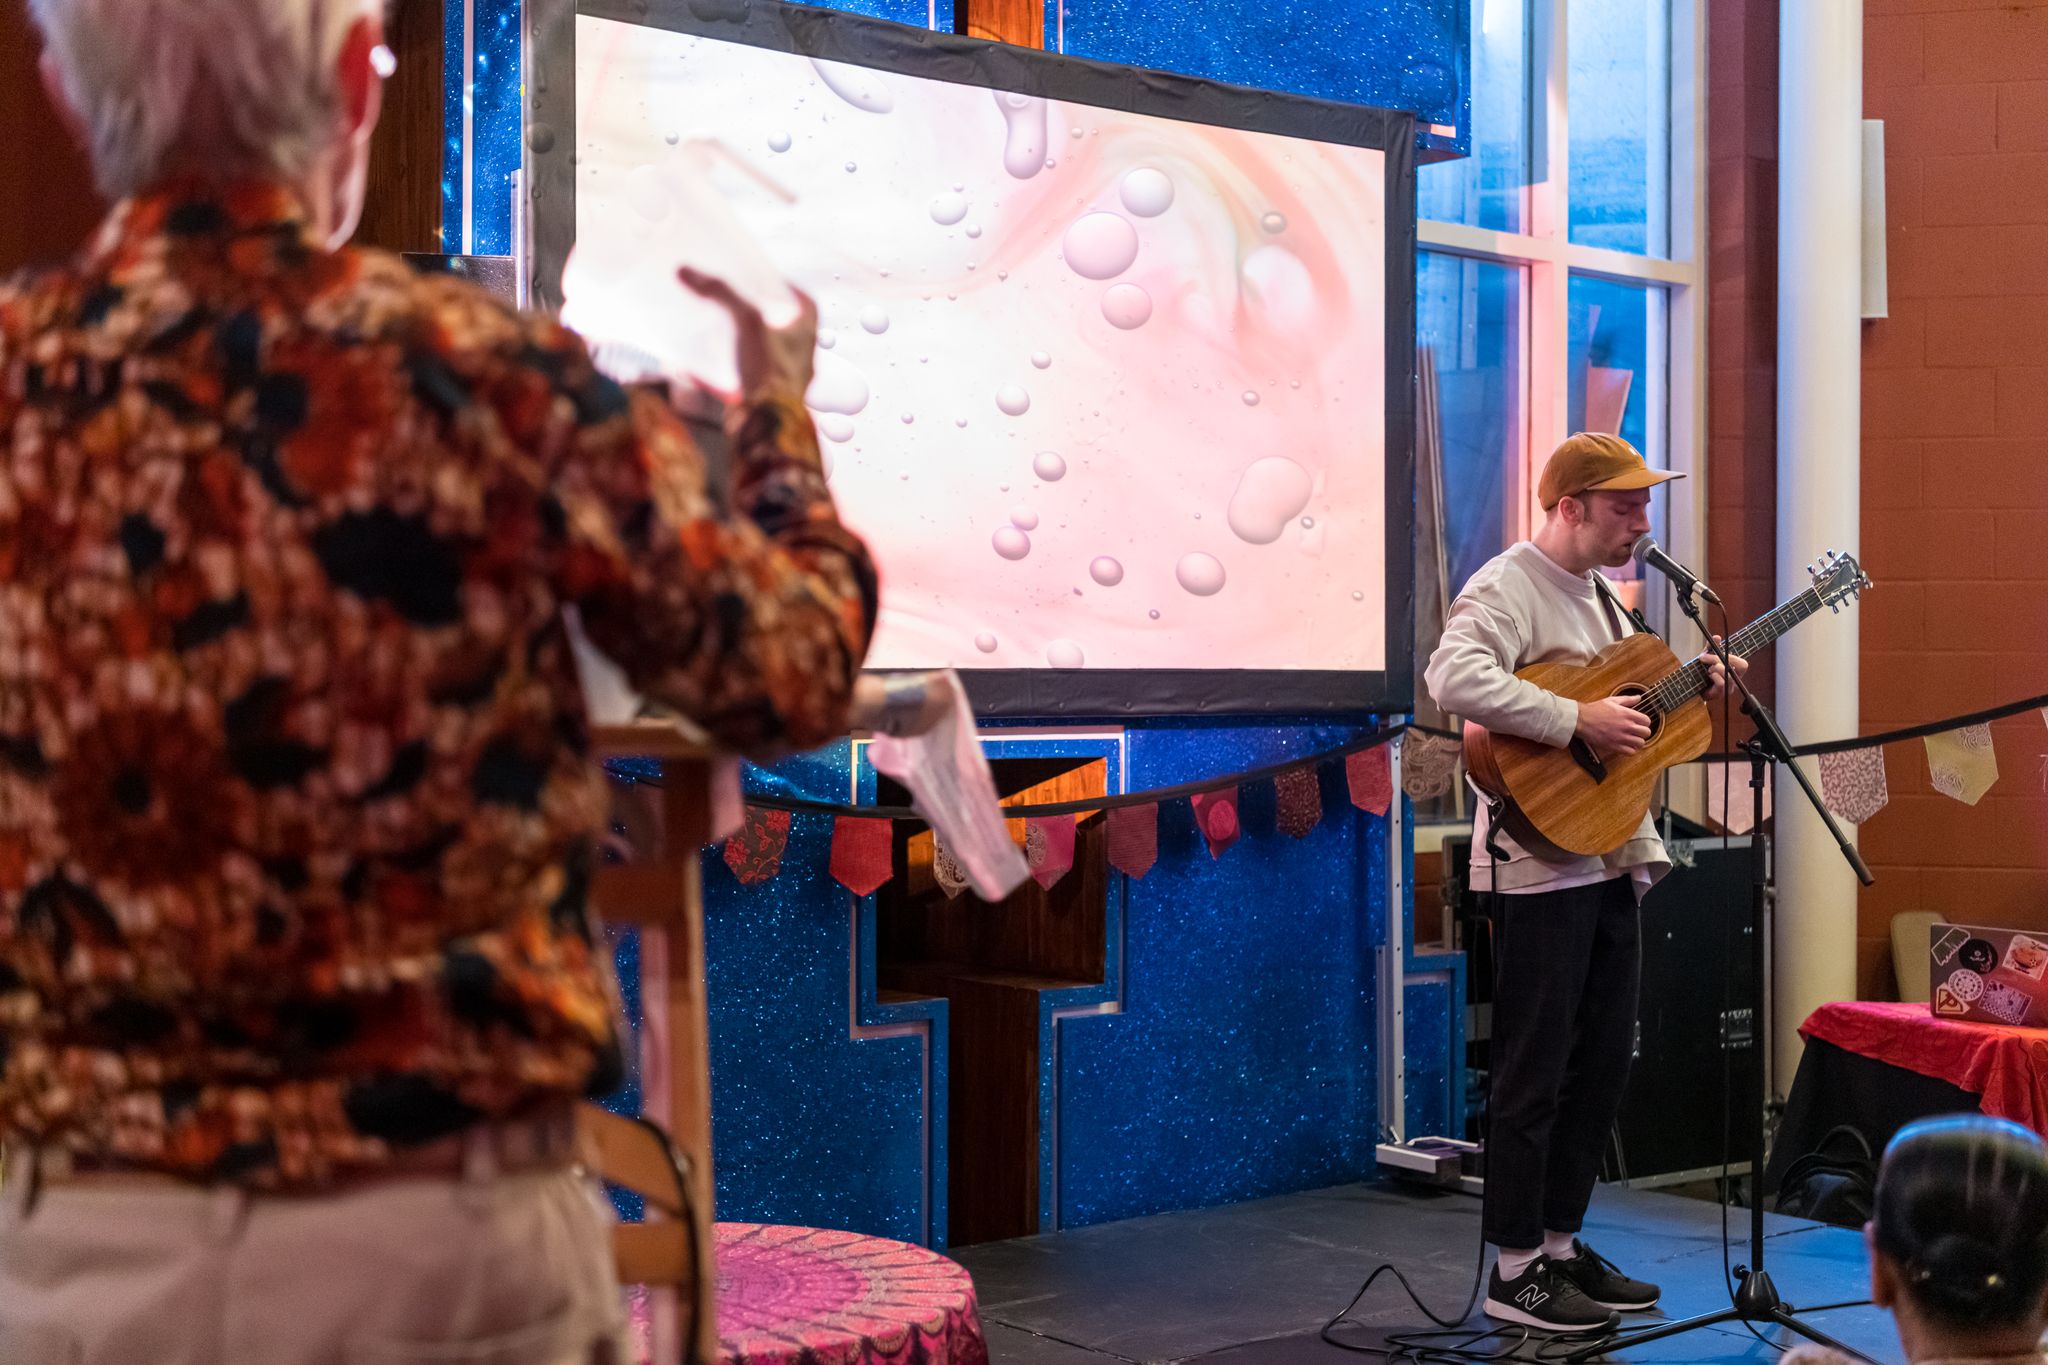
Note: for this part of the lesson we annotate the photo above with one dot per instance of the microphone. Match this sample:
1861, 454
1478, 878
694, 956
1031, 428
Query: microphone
1648, 552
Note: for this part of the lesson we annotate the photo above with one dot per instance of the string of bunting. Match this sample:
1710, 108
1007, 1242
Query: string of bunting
862, 856
1961, 760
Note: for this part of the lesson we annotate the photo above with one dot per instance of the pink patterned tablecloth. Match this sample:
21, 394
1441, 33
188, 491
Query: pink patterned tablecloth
810, 1296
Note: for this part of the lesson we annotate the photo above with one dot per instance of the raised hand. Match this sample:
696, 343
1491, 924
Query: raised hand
769, 357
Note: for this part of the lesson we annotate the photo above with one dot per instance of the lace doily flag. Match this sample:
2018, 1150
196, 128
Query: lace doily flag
1962, 764
1429, 765
1852, 783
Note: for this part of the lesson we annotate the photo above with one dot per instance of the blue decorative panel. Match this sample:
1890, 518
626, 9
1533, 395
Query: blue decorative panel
1242, 1062
811, 1125
1398, 54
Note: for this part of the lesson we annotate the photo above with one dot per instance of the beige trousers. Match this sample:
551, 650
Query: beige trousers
487, 1269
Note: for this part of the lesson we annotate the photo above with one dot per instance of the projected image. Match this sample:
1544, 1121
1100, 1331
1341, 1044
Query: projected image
1102, 390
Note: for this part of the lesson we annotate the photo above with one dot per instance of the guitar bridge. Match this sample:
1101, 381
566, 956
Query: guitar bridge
1582, 754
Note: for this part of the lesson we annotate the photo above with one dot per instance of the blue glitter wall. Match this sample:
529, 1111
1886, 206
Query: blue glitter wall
1236, 1057
1397, 54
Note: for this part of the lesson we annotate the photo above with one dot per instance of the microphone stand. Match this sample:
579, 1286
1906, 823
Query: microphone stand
1756, 1297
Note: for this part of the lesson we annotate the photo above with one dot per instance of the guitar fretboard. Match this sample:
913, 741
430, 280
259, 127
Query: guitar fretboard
1683, 684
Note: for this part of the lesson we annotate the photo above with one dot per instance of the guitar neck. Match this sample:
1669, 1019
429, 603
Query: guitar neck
1681, 685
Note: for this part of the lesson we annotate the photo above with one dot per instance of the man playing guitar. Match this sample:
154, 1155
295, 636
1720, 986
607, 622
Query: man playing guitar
1565, 947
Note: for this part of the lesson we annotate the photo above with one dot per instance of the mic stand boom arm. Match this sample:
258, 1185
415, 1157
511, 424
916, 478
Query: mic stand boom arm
1756, 1297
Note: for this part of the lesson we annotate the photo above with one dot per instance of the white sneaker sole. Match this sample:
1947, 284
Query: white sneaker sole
1643, 1307
1507, 1312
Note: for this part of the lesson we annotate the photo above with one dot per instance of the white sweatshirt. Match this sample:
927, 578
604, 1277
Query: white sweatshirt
1522, 608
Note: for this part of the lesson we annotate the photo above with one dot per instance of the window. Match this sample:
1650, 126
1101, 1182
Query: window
1558, 285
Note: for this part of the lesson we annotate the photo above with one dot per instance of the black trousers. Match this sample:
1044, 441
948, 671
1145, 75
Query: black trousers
1566, 974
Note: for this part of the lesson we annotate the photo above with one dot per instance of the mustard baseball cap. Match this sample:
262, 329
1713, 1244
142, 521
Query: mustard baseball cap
1591, 460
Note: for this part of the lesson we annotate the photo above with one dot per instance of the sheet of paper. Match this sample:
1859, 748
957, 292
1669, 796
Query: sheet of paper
952, 788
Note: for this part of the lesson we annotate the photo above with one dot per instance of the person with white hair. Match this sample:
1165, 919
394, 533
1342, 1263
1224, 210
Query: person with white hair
298, 813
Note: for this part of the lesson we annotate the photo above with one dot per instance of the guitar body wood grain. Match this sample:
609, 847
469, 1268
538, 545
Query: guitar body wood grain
1557, 809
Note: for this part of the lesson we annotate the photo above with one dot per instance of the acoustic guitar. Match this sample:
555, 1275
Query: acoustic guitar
1570, 802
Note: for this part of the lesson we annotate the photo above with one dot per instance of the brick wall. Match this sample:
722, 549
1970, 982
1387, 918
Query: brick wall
1742, 321
1955, 454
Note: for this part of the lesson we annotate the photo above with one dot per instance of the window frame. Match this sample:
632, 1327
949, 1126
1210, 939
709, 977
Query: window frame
1548, 259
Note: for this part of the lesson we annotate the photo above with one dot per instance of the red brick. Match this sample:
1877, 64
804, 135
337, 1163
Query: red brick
1933, 543
1897, 892
1905, 194
1934, 831
2009, 43
1897, 342
1986, 473
2023, 402
2024, 675
2022, 543
2023, 117
1726, 70
1892, 50
1930, 6
1892, 475
1935, 120
1984, 331
1978, 616
2013, 897
1931, 403
1894, 620
1959, 261
2002, 187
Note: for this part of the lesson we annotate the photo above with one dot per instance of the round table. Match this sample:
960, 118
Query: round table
788, 1295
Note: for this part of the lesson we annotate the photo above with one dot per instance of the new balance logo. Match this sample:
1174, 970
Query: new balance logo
1532, 1297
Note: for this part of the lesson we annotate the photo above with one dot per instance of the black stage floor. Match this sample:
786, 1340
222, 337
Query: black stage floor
1253, 1283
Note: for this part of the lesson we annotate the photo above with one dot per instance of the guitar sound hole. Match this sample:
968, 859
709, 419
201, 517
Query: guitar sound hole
1656, 720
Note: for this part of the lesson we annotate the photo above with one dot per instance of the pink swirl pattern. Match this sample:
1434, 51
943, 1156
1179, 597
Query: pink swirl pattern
812, 1296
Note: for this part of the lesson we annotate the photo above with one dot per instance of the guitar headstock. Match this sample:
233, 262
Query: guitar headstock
1837, 577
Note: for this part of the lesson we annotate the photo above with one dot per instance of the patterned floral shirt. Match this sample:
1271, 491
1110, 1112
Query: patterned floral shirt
297, 801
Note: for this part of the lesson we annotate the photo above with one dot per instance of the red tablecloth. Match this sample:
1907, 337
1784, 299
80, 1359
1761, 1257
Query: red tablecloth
788, 1295
2007, 1066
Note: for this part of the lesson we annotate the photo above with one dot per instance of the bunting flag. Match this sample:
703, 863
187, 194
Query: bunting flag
1134, 839
1729, 798
946, 870
1370, 776
1852, 783
861, 853
1216, 817
1429, 765
1297, 802
754, 852
1961, 763
1049, 848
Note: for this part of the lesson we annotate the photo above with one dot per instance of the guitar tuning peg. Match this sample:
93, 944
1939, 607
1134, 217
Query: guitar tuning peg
1835, 607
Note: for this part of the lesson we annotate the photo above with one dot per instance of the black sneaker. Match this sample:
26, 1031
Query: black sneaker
1600, 1280
1541, 1297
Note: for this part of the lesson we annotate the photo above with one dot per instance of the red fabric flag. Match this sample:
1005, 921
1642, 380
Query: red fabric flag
754, 852
861, 853
1049, 848
1297, 802
1134, 839
1371, 779
1216, 817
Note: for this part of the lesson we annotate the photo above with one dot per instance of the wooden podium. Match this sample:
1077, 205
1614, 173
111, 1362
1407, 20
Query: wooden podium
661, 892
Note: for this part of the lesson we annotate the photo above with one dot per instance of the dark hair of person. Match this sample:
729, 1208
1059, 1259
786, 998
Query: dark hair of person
1962, 1209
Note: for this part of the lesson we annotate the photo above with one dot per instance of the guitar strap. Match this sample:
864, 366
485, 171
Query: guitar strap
1616, 608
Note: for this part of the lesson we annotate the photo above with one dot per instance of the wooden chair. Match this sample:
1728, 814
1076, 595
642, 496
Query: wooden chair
662, 894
